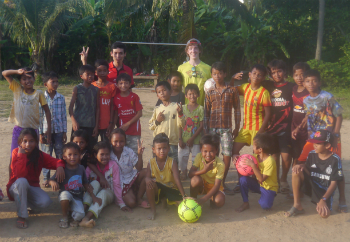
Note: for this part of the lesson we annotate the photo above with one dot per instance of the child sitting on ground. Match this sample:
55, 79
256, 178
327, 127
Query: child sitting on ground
207, 173
265, 180
175, 80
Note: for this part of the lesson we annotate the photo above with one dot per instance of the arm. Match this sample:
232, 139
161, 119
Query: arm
48, 119
153, 123
322, 207
64, 118
266, 119
8, 74
116, 186
181, 143
75, 124
175, 170
84, 55
97, 116
54, 164
111, 121
260, 177
195, 172
131, 121
237, 113
140, 149
103, 181
19, 163
301, 125
207, 109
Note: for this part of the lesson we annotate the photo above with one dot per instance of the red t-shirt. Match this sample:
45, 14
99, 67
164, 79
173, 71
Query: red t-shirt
113, 73
106, 94
127, 108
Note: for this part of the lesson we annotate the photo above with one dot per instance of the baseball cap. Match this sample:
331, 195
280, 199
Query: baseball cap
195, 41
321, 136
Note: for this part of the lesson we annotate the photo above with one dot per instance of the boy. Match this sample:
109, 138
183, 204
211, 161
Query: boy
128, 108
57, 107
190, 134
219, 101
323, 112
85, 100
281, 93
265, 181
299, 94
175, 80
162, 178
107, 93
72, 188
207, 173
167, 118
318, 176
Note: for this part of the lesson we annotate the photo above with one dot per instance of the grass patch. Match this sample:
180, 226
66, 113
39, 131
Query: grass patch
343, 98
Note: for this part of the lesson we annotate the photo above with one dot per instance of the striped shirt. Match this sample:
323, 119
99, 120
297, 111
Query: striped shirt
218, 108
254, 103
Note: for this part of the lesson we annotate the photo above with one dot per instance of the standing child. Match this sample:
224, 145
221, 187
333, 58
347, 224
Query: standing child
219, 101
207, 173
57, 107
163, 178
85, 101
265, 181
129, 110
23, 186
190, 134
177, 96
167, 118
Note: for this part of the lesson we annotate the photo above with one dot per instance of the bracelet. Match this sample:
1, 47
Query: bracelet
184, 196
324, 199
180, 116
156, 122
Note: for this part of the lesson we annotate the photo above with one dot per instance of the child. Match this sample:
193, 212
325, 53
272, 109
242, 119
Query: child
102, 197
23, 186
175, 80
265, 181
299, 94
72, 187
318, 176
57, 107
128, 108
163, 178
281, 93
323, 112
107, 93
131, 179
167, 118
219, 102
85, 100
190, 135
207, 173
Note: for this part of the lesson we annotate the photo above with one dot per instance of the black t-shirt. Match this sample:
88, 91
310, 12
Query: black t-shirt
282, 103
322, 172
86, 157
175, 99
299, 112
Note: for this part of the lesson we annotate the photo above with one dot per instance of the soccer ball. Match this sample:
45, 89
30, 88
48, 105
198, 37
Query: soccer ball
245, 170
209, 84
189, 211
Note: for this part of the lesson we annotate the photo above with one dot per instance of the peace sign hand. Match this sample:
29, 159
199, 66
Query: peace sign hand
140, 149
84, 55
179, 109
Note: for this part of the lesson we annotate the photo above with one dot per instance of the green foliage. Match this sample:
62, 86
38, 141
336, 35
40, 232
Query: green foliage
164, 68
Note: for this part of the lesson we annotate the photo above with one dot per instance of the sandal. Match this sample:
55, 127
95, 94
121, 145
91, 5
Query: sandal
21, 224
63, 223
293, 212
144, 204
342, 208
284, 188
228, 191
237, 188
74, 223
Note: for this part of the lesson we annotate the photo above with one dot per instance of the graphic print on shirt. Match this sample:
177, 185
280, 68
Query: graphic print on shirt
191, 124
74, 185
277, 100
199, 74
322, 117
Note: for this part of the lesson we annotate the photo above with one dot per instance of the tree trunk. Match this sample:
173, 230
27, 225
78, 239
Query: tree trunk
320, 29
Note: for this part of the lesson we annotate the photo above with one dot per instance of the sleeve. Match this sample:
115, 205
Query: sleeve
197, 160
221, 169
237, 109
117, 189
152, 121
207, 109
180, 121
268, 168
42, 99
51, 163
84, 177
337, 170
335, 107
133, 157
19, 164
137, 103
14, 85
64, 115
41, 119
266, 100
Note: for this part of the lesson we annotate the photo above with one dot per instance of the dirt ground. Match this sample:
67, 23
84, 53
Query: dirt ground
215, 225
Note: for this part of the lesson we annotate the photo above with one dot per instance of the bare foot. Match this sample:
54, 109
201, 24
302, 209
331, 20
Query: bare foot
87, 223
243, 207
74, 223
152, 215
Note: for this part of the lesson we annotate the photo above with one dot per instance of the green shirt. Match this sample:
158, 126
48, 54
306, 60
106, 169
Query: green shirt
192, 123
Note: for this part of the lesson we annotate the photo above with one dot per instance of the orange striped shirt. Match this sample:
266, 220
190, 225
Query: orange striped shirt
254, 103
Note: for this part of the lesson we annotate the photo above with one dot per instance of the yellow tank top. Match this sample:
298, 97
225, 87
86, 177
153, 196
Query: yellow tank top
164, 176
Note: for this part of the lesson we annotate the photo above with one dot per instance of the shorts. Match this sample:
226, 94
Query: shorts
246, 136
226, 140
208, 186
127, 187
297, 147
308, 147
173, 153
131, 142
170, 194
282, 143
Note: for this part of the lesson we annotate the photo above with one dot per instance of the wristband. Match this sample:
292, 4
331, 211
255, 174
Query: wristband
336, 135
184, 196
180, 116
324, 199
156, 122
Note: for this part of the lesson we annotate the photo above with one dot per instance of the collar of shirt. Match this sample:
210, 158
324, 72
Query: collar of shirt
112, 67
104, 170
47, 95
223, 90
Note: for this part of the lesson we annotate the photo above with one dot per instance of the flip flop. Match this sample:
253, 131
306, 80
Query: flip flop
63, 223
293, 212
21, 224
342, 208
284, 187
144, 204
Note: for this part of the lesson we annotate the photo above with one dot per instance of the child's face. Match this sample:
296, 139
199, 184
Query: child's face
123, 86
278, 75
192, 96
163, 93
256, 150
27, 81
193, 52
102, 72
80, 142
298, 77
322, 147
72, 156
218, 76
28, 143
103, 156
88, 76
118, 55
175, 83
312, 84
118, 142
256, 76
161, 150
52, 84
208, 152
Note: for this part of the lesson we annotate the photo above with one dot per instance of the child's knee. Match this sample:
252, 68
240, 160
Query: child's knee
219, 200
78, 216
44, 202
22, 182
96, 185
196, 181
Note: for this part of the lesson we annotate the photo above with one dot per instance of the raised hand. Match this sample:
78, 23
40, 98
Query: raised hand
84, 55
161, 117
140, 149
179, 109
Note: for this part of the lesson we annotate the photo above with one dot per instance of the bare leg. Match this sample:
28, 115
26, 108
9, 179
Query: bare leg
130, 199
196, 186
218, 200
341, 188
286, 162
87, 221
227, 161
151, 199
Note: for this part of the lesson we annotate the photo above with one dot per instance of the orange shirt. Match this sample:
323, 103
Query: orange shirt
106, 98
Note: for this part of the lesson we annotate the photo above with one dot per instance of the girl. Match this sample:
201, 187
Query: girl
131, 180
101, 197
26, 164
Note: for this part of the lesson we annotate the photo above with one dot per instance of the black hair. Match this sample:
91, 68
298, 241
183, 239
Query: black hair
266, 142
177, 74
276, 64
164, 84
210, 139
192, 87
118, 131
312, 72
102, 145
160, 138
30, 72
81, 134
70, 145
119, 45
123, 77
85, 68
33, 158
260, 68
49, 75
101, 62
301, 66
219, 66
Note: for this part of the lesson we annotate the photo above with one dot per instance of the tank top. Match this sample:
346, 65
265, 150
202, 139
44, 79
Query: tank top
85, 106
164, 176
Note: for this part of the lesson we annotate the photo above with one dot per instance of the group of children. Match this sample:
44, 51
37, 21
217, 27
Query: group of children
300, 123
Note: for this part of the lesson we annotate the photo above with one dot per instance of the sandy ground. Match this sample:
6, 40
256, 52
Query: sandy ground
215, 225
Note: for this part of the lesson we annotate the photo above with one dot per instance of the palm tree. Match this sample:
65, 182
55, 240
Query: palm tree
320, 29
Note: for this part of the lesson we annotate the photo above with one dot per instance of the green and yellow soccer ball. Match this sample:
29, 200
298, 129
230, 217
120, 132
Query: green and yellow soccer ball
189, 211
